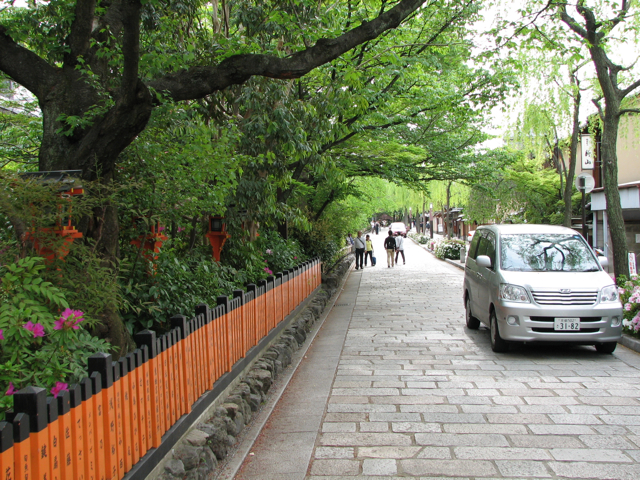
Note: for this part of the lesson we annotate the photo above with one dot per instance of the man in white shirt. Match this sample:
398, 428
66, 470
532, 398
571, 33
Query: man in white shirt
400, 248
358, 242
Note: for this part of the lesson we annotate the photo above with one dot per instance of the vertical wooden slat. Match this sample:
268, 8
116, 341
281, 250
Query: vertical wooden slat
102, 364
54, 439
119, 410
209, 350
98, 426
33, 402
179, 322
65, 435
21, 446
78, 432
152, 383
7, 461
127, 419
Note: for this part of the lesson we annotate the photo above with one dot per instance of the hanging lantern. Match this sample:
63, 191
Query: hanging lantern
54, 242
217, 235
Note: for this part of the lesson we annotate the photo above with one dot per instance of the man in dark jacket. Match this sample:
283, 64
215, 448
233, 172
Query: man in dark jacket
390, 247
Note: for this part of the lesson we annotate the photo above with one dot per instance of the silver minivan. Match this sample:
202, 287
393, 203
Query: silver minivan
540, 283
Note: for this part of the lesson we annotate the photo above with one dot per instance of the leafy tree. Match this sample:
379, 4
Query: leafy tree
99, 71
596, 26
525, 191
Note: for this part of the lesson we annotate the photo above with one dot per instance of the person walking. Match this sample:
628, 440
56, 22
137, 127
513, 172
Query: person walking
377, 228
358, 242
390, 246
400, 248
368, 250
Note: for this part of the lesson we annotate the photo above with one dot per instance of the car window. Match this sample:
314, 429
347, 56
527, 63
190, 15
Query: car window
546, 252
474, 245
482, 245
491, 247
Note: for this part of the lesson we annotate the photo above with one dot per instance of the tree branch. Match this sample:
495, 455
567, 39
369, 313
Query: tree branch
130, 49
625, 111
24, 66
199, 81
79, 38
630, 88
624, 8
572, 23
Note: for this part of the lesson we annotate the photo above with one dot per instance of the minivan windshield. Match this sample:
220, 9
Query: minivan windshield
541, 252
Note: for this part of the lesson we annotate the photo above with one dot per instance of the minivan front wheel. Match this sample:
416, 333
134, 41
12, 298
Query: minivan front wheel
498, 345
472, 322
606, 347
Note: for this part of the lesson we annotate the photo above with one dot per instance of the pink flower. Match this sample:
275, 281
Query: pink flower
627, 307
180, 229
295, 258
69, 319
36, 328
160, 229
266, 269
59, 387
11, 390
1, 335
269, 251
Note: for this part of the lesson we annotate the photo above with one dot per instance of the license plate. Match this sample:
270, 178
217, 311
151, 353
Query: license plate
566, 324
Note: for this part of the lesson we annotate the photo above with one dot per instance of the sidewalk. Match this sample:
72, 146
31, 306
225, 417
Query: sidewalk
395, 386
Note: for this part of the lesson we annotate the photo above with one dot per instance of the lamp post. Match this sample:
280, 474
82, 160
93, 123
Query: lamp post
431, 220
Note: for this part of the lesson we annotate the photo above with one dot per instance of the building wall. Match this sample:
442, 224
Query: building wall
629, 150
632, 229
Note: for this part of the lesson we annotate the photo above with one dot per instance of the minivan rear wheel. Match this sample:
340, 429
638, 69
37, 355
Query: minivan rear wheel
606, 347
498, 345
472, 322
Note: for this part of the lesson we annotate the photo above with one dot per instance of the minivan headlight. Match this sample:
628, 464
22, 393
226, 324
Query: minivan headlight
609, 294
513, 293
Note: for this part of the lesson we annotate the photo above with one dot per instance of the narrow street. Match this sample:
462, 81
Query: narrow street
395, 386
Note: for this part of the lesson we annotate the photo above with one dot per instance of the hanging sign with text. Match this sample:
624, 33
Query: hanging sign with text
588, 153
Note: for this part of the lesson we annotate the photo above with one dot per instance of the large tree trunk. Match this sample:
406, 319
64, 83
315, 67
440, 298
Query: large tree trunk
96, 159
573, 154
608, 156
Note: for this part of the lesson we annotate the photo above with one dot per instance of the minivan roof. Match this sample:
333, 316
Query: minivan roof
523, 228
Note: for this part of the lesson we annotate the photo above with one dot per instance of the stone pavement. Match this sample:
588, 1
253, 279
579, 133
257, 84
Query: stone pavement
395, 386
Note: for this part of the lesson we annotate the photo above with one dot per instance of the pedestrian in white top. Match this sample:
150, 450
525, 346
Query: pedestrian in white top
400, 248
358, 242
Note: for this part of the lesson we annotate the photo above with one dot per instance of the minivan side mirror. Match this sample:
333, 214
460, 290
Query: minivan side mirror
483, 261
604, 262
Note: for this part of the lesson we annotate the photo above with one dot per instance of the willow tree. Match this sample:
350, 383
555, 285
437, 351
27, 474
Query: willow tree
595, 29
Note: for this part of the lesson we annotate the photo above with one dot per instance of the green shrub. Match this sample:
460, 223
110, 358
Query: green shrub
420, 238
279, 254
449, 248
174, 286
40, 343
321, 242
629, 290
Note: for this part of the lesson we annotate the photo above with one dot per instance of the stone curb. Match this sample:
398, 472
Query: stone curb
455, 263
630, 342
198, 455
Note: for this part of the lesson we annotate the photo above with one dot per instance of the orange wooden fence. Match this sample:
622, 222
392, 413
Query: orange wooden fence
104, 425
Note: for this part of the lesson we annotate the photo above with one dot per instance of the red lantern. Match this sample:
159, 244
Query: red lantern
151, 242
217, 235
43, 241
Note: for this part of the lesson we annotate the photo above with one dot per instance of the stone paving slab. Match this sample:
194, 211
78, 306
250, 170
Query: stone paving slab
413, 393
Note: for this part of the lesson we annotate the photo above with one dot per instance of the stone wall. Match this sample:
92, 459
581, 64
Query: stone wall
197, 455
